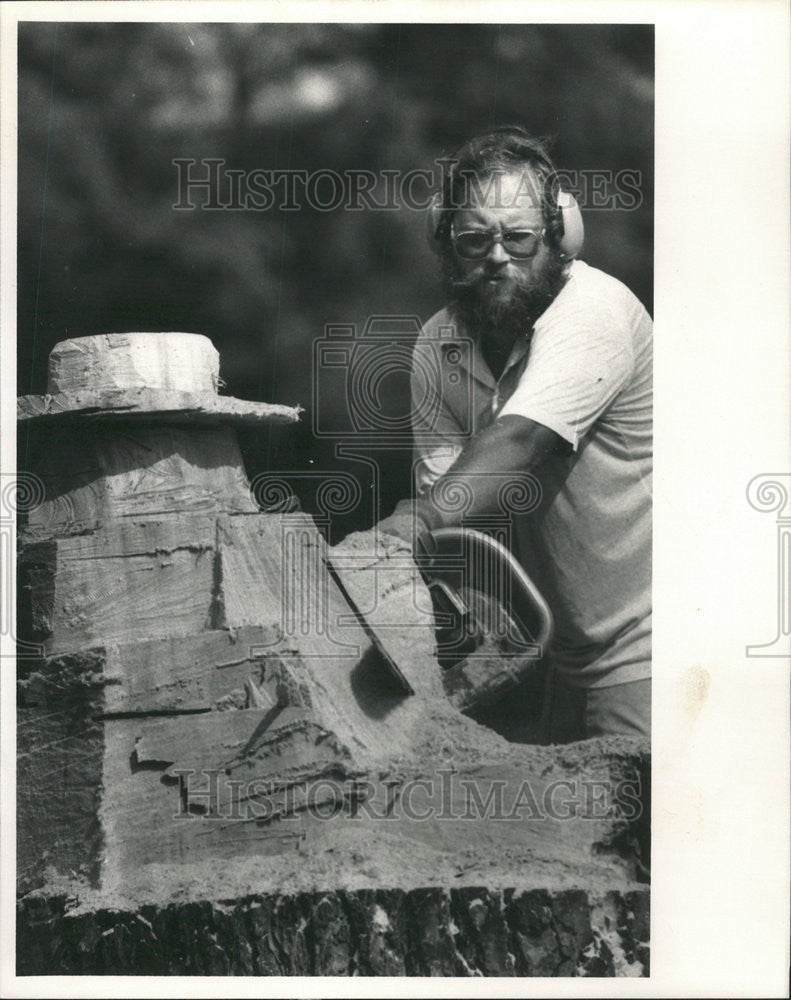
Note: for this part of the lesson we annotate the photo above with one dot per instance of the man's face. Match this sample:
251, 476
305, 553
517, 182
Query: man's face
498, 204
505, 292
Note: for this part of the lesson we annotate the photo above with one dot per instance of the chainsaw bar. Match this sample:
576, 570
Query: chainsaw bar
378, 645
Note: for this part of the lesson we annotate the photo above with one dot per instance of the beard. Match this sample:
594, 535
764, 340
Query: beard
496, 313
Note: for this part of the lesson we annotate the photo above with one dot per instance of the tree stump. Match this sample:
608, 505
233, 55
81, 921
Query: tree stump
202, 693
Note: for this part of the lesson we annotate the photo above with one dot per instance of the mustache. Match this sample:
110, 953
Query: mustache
526, 298
458, 281
471, 287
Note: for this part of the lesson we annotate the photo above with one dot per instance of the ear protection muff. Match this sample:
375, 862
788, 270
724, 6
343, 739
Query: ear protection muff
434, 219
572, 235
560, 207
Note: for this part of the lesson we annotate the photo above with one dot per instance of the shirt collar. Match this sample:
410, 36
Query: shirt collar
473, 361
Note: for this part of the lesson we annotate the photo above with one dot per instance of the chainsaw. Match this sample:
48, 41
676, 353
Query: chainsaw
481, 594
491, 623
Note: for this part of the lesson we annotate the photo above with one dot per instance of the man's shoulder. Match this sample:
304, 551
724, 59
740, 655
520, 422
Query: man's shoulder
594, 284
593, 295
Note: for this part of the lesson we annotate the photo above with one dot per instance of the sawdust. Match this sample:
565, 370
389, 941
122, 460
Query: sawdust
346, 859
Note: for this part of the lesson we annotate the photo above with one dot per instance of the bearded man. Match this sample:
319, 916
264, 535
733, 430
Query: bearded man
558, 386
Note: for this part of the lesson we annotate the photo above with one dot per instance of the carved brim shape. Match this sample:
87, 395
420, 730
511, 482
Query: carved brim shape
154, 404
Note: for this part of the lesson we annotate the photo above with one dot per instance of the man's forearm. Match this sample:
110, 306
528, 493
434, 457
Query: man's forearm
506, 453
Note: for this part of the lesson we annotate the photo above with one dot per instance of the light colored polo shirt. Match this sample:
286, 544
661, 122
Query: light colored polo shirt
587, 375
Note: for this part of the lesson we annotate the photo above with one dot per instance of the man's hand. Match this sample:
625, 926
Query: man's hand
409, 520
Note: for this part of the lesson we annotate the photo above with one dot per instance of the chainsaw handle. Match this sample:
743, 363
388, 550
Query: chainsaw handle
451, 596
472, 537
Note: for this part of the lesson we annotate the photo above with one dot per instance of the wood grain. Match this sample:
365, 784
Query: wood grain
95, 475
146, 579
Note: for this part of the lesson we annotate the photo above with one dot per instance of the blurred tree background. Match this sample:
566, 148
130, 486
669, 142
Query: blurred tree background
106, 109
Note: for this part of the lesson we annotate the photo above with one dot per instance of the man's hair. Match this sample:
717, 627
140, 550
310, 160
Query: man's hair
500, 150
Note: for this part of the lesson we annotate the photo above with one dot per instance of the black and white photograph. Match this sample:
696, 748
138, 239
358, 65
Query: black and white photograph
331, 528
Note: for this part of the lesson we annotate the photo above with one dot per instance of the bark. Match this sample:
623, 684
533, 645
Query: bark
471, 931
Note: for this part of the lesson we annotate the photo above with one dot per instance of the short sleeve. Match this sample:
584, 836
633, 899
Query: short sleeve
579, 362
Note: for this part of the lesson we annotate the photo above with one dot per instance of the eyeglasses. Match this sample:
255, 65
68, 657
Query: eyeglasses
475, 244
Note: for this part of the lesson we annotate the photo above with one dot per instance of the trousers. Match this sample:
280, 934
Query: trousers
572, 713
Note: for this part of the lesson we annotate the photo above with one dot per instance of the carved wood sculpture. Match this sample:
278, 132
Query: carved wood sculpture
203, 700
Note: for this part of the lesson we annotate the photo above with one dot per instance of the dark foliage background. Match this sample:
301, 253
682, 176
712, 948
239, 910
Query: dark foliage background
105, 109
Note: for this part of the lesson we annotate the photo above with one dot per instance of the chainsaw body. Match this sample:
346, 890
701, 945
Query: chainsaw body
492, 624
